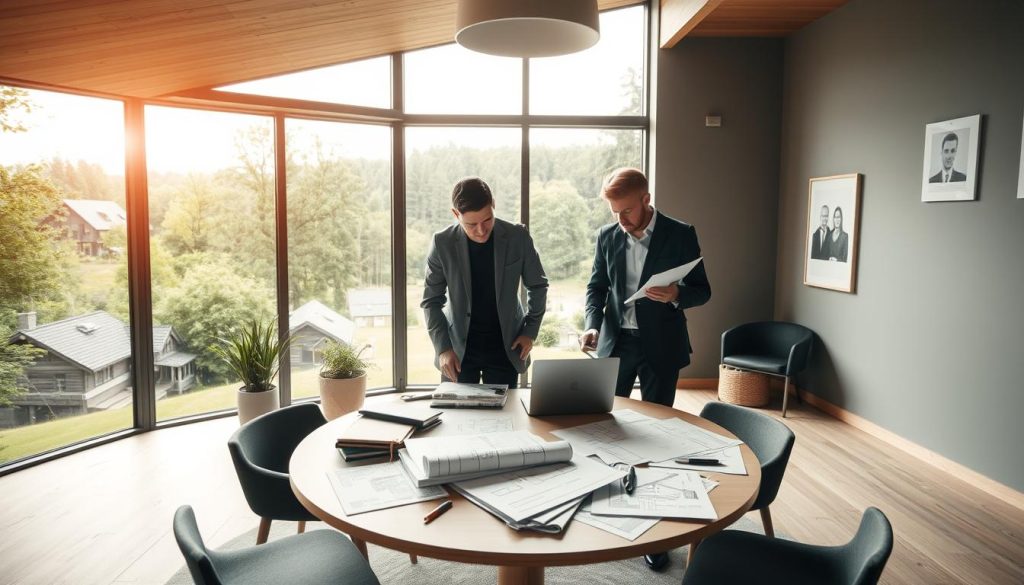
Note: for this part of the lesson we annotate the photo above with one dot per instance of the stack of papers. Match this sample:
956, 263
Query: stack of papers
458, 395
376, 487
438, 460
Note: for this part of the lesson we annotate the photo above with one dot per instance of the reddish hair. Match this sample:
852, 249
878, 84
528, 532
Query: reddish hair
623, 182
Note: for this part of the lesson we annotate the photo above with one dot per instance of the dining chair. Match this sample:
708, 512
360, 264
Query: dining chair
735, 556
320, 557
769, 439
260, 450
776, 348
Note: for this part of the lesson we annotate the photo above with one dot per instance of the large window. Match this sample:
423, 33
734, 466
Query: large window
436, 158
339, 246
454, 80
211, 192
65, 353
360, 83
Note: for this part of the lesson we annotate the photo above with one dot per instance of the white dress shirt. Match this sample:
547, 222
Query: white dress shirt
636, 254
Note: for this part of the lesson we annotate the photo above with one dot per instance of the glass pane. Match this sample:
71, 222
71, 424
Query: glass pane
605, 80
566, 170
360, 83
454, 80
211, 192
339, 246
65, 353
436, 158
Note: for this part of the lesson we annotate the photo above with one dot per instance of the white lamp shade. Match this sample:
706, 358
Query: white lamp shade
527, 28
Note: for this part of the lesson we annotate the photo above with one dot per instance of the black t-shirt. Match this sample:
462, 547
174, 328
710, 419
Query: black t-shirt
484, 308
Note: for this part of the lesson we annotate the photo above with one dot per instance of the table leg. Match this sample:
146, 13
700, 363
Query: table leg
361, 547
520, 575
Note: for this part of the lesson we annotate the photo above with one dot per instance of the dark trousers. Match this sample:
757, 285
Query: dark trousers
656, 384
486, 359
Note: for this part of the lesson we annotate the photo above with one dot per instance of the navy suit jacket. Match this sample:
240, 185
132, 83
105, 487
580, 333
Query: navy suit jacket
663, 335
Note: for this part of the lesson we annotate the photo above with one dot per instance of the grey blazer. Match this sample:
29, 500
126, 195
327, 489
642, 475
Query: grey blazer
446, 289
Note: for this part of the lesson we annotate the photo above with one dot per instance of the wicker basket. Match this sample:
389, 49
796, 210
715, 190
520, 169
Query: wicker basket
742, 387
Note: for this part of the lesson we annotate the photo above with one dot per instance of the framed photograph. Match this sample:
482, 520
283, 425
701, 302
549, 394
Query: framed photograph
833, 225
951, 159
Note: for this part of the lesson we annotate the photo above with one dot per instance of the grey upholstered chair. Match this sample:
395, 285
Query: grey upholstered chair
776, 348
321, 557
734, 556
769, 439
260, 450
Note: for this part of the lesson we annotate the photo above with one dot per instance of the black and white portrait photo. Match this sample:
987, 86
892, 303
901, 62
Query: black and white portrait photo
1020, 173
832, 221
950, 159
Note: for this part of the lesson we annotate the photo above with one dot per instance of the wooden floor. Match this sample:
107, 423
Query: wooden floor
104, 516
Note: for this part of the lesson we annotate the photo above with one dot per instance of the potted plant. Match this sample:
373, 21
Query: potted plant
253, 355
342, 379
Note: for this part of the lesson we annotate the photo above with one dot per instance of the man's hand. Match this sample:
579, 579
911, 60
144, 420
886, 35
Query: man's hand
450, 366
663, 294
588, 342
525, 344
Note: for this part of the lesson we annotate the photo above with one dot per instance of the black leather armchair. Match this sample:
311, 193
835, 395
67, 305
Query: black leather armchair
776, 348
320, 557
734, 556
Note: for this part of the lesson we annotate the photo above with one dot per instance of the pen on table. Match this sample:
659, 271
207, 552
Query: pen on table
698, 461
441, 509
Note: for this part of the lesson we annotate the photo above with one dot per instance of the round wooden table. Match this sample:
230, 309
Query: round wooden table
468, 534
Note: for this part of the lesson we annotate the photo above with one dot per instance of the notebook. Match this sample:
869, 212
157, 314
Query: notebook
371, 432
411, 414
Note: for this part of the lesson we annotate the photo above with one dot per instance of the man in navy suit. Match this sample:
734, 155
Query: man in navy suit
948, 174
648, 336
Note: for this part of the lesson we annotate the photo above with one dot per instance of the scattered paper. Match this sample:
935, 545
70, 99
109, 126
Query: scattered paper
681, 496
730, 459
376, 487
664, 279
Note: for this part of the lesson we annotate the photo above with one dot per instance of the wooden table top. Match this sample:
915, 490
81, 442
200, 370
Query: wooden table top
468, 534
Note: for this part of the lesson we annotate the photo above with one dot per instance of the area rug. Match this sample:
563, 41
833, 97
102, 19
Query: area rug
394, 567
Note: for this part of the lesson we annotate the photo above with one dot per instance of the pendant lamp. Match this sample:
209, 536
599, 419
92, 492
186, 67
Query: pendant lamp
527, 28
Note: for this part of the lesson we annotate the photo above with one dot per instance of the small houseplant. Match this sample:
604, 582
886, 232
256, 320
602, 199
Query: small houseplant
253, 355
342, 379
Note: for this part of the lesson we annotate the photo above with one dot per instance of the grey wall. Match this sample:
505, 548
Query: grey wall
931, 346
724, 180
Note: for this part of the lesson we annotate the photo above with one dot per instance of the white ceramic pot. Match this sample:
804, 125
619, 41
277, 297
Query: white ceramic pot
253, 404
342, 396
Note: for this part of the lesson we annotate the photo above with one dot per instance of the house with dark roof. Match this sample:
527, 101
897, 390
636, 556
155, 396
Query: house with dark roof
86, 220
370, 307
87, 367
311, 326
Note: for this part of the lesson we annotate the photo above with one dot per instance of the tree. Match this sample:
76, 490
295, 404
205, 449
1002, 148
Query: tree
189, 225
14, 358
12, 99
209, 303
558, 223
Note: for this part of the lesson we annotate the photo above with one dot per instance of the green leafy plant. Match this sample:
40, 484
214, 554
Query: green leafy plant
253, 354
342, 360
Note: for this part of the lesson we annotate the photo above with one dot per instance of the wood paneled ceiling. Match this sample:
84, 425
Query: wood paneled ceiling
151, 48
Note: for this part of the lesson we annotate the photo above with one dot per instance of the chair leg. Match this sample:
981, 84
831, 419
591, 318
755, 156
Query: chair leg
785, 396
361, 547
766, 519
264, 532
302, 526
413, 559
692, 551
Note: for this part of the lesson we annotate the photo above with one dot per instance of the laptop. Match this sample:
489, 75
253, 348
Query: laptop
583, 386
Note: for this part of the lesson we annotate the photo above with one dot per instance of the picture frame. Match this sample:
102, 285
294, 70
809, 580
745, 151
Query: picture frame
830, 256
950, 169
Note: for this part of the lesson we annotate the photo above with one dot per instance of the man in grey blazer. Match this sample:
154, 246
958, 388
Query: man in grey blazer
476, 323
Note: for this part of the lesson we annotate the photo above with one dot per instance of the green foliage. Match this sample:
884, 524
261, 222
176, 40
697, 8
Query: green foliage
190, 224
548, 336
33, 274
84, 180
559, 228
14, 358
12, 99
341, 360
252, 354
209, 302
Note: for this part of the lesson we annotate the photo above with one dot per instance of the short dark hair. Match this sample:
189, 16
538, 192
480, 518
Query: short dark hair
951, 137
471, 194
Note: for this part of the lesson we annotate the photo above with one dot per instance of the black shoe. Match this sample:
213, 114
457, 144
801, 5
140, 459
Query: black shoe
656, 561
